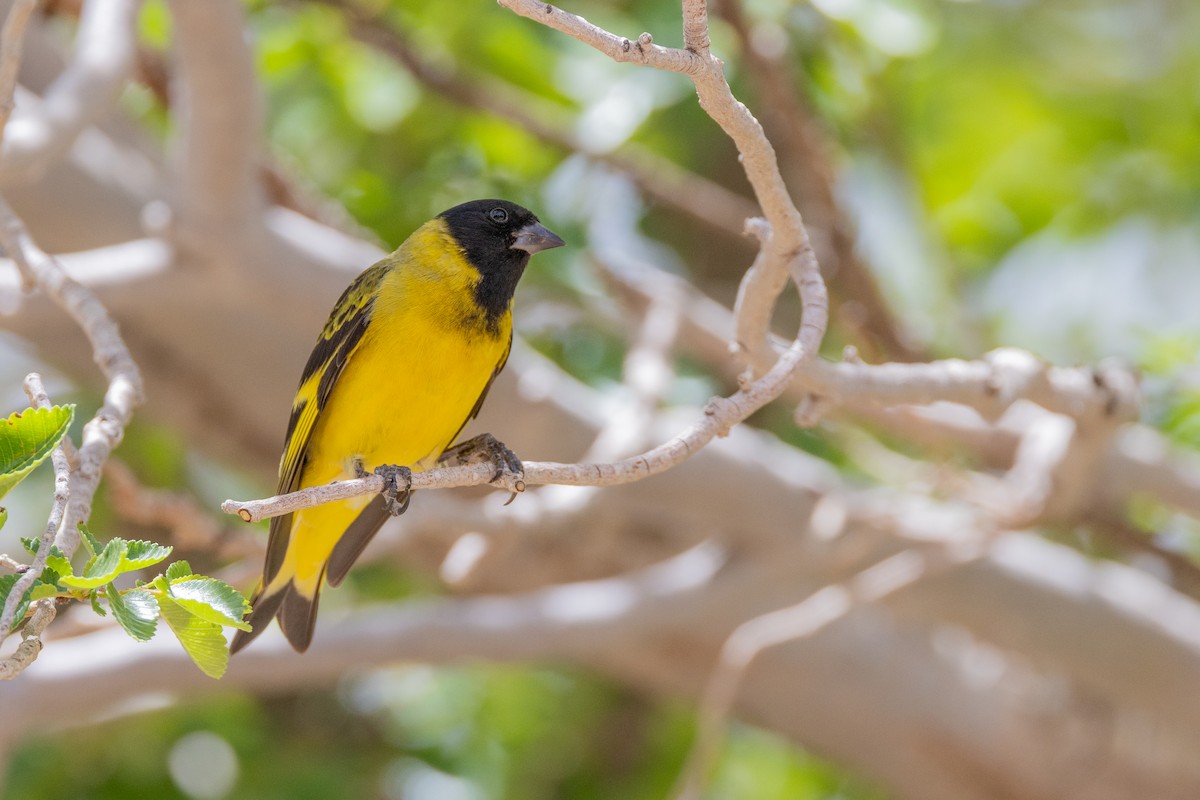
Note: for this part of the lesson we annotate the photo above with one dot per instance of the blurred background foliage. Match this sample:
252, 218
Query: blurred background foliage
1019, 172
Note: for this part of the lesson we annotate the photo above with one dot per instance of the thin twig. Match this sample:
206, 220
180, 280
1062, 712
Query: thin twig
31, 645
721, 414
62, 476
788, 241
783, 240
104, 431
806, 163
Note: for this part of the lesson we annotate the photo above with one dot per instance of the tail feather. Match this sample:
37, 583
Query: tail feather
298, 616
356, 538
265, 607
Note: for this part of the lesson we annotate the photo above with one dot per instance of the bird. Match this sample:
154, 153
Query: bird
404, 361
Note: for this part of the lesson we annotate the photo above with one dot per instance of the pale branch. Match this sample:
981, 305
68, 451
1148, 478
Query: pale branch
123, 263
86, 88
104, 431
35, 390
990, 385
806, 163
219, 125
31, 643
782, 238
1144, 461
11, 564
62, 477
788, 241
802, 620
721, 414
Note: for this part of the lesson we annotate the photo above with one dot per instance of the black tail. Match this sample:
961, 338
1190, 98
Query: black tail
297, 617
355, 539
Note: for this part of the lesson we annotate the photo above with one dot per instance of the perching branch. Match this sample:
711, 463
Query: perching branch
785, 252
721, 414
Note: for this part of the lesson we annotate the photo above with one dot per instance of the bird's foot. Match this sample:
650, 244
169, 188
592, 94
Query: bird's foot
397, 487
510, 473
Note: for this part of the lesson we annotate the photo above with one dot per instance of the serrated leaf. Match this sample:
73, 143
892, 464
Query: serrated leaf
42, 591
204, 641
211, 600
141, 554
89, 541
99, 609
136, 610
6, 586
100, 569
179, 569
27, 438
59, 564
30, 543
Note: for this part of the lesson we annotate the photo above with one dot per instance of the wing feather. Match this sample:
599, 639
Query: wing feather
342, 334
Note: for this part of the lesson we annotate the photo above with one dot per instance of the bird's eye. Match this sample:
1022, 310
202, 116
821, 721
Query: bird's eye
498, 215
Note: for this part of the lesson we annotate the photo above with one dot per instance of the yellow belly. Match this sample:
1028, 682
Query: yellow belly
402, 397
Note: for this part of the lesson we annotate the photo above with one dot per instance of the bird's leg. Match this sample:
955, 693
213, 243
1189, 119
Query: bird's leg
510, 473
395, 499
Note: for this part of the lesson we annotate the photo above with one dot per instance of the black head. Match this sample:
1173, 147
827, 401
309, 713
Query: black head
497, 237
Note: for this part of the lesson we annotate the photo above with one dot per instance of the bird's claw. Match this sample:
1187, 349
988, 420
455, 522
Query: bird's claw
510, 472
395, 498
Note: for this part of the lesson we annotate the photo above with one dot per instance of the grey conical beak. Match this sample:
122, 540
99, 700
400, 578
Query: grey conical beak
534, 238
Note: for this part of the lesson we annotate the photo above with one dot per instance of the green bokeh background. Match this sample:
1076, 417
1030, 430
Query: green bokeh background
974, 142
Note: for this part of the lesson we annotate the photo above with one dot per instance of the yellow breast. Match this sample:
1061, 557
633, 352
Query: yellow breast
408, 388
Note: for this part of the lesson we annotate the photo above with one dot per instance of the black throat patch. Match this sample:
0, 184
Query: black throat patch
486, 237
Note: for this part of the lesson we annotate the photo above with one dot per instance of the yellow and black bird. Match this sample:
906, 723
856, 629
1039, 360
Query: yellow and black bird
404, 362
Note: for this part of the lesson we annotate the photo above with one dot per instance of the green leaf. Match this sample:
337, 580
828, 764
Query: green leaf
141, 554
117, 557
42, 590
6, 586
3, 516
136, 610
57, 560
59, 563
100, 569
90, 542
179, 569
211, 600
27, 438
204, 641
95, 598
